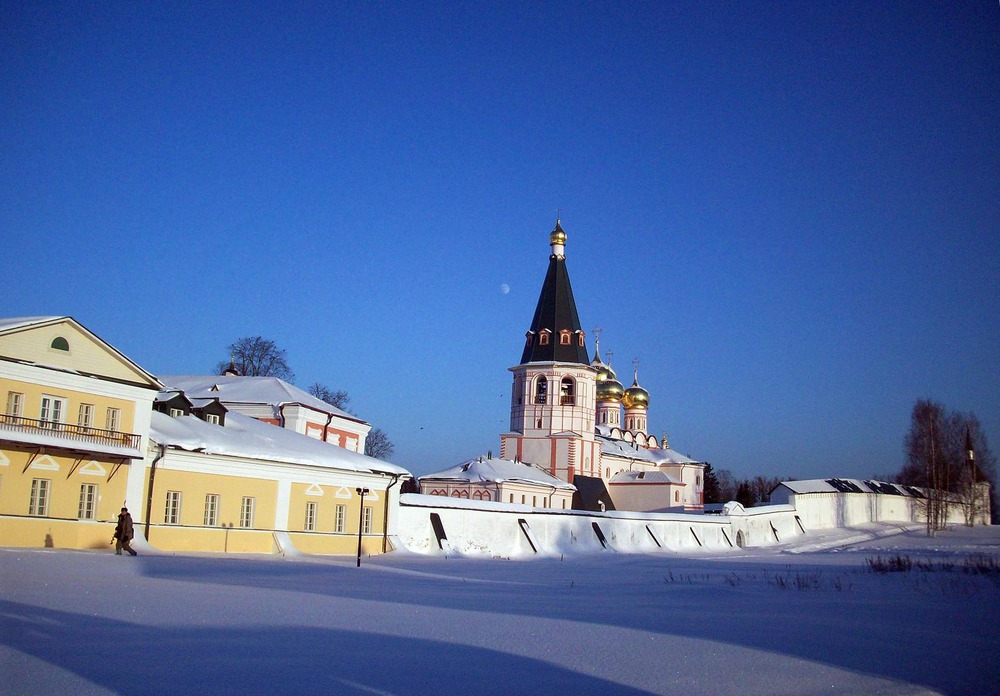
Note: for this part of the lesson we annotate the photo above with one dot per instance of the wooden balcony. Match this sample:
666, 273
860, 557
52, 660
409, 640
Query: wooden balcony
76, 434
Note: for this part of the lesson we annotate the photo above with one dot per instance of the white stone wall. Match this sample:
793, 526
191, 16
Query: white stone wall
495, 529
490, 529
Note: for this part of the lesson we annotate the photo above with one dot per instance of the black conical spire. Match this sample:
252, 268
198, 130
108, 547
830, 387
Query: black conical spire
555, 334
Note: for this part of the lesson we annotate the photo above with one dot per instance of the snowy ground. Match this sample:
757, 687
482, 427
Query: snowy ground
798, 620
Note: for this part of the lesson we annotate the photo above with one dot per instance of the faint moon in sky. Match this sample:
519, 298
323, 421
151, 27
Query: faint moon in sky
504, 288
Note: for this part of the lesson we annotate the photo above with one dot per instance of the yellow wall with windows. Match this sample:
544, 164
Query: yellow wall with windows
191, 534
31, 406
231, 490
60, 527
326, 508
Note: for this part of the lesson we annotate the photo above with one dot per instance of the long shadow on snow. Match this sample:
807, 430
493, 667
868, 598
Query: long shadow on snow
856, 630
131, 658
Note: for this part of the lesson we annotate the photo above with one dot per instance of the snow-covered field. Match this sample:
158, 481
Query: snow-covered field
798, 619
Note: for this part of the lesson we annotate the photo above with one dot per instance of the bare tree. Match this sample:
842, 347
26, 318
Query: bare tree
937, 460
727, 485
339, 398
762, 487
378, 444
253, 356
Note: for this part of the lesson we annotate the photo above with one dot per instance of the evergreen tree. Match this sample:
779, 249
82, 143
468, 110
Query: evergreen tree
712, 492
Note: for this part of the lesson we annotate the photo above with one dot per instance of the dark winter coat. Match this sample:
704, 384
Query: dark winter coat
124, 530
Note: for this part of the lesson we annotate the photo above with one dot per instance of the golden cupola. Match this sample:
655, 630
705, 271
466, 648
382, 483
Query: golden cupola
635, 396
610, 389
557, 240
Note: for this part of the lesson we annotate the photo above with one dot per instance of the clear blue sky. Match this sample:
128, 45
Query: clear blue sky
789, 212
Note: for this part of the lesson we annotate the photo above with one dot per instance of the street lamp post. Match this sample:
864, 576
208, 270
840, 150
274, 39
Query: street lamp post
361, 519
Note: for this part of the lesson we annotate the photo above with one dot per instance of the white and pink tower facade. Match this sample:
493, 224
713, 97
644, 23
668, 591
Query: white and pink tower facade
559, 395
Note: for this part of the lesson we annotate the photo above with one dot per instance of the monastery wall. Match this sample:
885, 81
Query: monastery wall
442, 526
479, 528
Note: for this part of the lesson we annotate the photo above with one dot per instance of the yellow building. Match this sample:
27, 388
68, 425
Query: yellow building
75, 422
238, 484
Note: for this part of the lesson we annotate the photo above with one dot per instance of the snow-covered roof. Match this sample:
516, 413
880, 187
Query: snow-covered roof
670, 456
616, 446
20, 322
487, 470
840, 485
249, 390
14, 324
621, 448
643, 477
52, 438
243, 436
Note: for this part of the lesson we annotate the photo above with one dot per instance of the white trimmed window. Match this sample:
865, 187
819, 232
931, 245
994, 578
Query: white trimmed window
85, 418
113, 419
53, 410
88, 501
246, 512
310, 524
340, 521
172, 512
212, 418
39, 504
175, 413
212, 510
15, 403
366, 526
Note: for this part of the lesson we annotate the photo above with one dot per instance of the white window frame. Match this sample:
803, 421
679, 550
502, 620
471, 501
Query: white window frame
88, 502
211, 518
52, 412
113, 419
340, 520
247, 508
212, 418
38, 506
367, 517
176, 412
15, 403
310, 522
172, 509
85, 416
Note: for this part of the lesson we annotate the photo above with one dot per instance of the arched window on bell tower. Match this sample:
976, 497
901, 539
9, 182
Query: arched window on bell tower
542, 391
567, 390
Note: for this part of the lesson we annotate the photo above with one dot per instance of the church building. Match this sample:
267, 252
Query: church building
571, 417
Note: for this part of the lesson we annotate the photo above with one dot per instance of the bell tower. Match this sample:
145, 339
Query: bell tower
553, 395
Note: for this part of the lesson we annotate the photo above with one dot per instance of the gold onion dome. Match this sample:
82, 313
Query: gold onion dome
610, 389
635, 396
603, 371
557, 236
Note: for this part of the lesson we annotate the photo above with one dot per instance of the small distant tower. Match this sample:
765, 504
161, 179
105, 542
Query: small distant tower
636, 402
231, 369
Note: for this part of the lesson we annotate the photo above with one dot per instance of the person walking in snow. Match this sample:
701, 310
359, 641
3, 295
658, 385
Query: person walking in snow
123, 533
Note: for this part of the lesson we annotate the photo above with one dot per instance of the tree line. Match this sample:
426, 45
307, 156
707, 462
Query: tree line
255, 356
721, 487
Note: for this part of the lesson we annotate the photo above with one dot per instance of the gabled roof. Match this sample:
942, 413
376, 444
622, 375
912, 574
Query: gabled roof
555, 312
243, 436
487, 470
234, 389
22, 340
